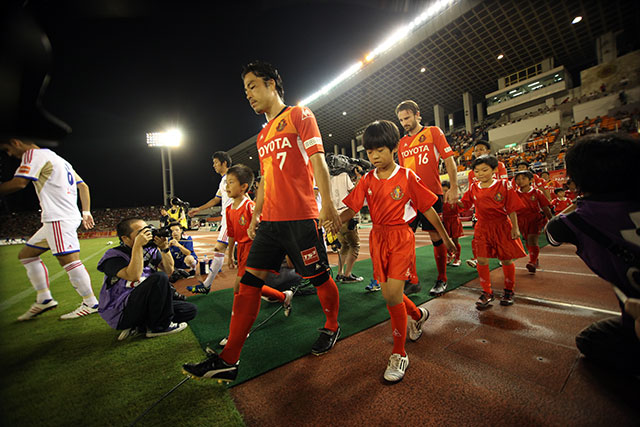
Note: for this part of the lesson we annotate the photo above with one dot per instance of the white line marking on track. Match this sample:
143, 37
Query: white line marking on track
18, 297
561, 272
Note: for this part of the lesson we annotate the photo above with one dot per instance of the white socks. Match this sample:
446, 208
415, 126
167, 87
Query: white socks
39, 277
216, 265
79, 278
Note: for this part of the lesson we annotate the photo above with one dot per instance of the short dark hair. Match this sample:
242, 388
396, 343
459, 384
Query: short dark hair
446, 183
595, 161
408, 105
559, 189
522, 162
243, 174
124, 227
381, 133
222, 157
174, 223
487, 159
266, 72
482, 142
526, 173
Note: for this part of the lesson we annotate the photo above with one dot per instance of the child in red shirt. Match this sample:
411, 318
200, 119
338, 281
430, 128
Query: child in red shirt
560, 203
530, 220
393, 194
572, 192
452, 223
496, 233
239, 215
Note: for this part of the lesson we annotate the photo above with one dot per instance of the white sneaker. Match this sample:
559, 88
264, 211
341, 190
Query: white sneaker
396, 367
456, 263
126, 333
172, 329
472, 263
223, 341
81, 311
288, 296
415, 326
37, 309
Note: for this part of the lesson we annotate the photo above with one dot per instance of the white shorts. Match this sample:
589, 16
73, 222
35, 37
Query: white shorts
59, 236
223, 237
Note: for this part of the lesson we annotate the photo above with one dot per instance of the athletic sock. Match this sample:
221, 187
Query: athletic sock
509, 272
271, 293
459, 251
216, 265
534, 251
81, 281
440, 253
485, 277
330, 301
246, 305
39, 277
398, 314
411, 308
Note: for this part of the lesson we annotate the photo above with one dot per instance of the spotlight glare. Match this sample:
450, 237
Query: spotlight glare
422, 70
576, 19
500, 56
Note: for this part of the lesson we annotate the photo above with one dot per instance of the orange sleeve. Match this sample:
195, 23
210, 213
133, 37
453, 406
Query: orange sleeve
305, 123
441, 142
355, 199
228, 216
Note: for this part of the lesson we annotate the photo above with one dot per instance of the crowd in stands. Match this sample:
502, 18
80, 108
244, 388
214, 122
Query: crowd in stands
24, 224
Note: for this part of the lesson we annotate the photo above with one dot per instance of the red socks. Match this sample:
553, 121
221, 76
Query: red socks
246, 305
485, 277
330, 301
399, 325
440, 253
271, 293
411, 308
509, 272
534, 251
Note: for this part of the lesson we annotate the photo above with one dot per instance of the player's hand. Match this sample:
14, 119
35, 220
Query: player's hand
143, 237
632, 307
87, 220
193, 212
451, 196
231, 263
329, 218
515, 232
253, 226
448, 243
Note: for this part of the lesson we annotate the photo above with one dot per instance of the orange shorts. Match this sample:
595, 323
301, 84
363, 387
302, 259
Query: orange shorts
393, 251
453, 226
243, 254
492, 239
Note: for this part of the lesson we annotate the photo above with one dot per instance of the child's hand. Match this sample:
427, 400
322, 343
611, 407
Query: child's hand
451, 247
515, 232
231, 263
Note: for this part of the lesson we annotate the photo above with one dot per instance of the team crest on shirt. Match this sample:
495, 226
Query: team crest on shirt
397, 193
498, 197
422, 138
281, 125
242, 220
370, 192
533, 197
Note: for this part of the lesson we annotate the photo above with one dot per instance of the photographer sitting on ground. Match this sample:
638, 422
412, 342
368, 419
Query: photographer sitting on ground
135, 296
184, 256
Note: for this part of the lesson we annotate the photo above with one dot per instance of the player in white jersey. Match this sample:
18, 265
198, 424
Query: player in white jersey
221, 164
57, 186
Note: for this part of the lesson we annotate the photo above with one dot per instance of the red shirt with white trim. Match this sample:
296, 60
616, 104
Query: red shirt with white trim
492, 203
533, 201
238, 220
422, 153
391, 201
560, 205
284, 146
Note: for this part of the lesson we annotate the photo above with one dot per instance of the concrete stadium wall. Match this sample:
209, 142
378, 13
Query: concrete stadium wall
601, 106
503, 135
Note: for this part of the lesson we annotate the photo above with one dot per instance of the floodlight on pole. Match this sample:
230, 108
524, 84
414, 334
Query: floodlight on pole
165, 140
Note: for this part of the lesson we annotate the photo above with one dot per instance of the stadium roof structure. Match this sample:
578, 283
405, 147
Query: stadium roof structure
458, 48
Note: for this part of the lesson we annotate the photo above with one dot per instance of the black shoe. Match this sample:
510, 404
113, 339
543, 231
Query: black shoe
177, 296
411, 288
325, 341
507, 297
352, 278
439, 288
212, 367
484, 300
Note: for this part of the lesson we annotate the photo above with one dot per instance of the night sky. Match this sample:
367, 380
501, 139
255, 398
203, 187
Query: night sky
124, 68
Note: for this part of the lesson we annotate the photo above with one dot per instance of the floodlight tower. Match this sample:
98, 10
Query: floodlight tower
166, 141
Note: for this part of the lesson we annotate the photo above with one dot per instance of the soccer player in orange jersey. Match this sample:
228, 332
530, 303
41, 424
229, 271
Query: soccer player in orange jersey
393, 194
291, 156
496, 234
421, 150
530, 220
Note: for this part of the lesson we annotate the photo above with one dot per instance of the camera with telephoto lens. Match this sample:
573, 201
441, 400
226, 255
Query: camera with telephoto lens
176, 201
338, 163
